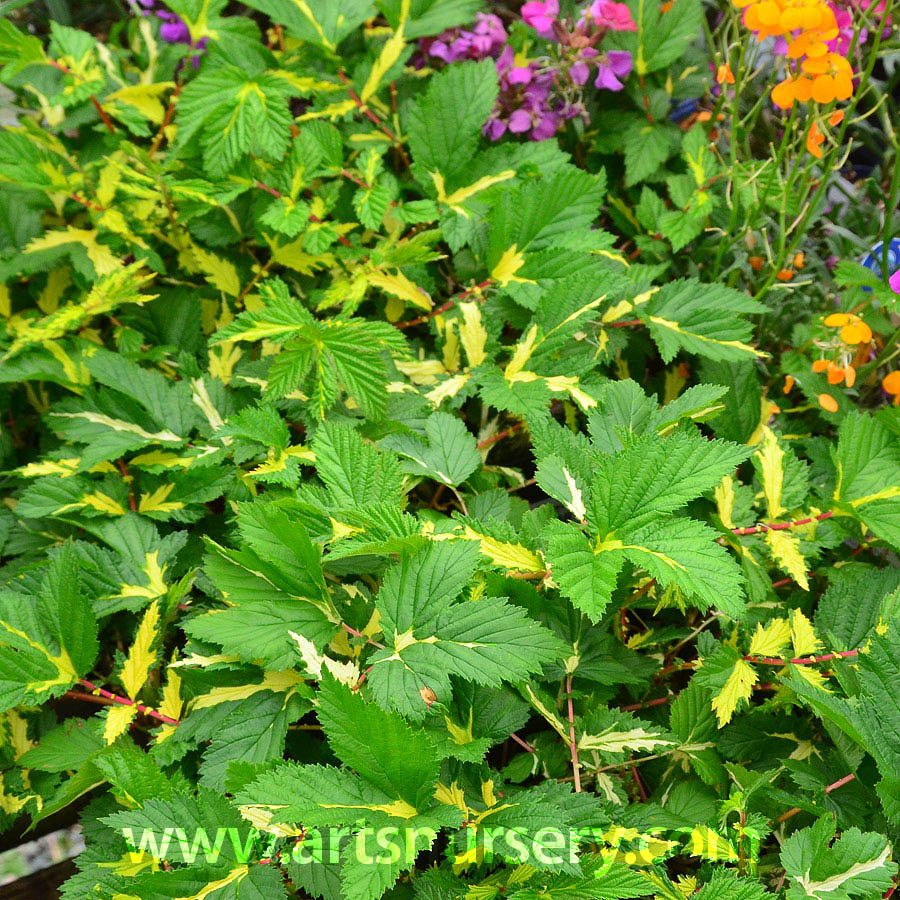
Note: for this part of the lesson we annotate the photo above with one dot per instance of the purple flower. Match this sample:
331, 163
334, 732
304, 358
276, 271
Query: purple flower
486, 39
540, 15
579, 72
488, 35
613, 66
175, 32
519, 121
545, 128
494, 129
519, 75
894, 282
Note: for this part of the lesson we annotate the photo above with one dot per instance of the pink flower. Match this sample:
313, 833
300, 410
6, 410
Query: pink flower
540, 15
612, 15
894, 282
613, 67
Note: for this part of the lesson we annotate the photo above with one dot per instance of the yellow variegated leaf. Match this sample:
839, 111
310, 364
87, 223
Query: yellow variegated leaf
707, 843
451, 796
507, 266
99, 501
514, 557
771, 639
156, 502
118, 718
676, 327
553, 720
220, 273
568, 384
724, 496
398, 285
345, 672
472, 334
156, 583
141, 656
64, 468
144, 98
812, 675
57, 282
172, 703
119, 425
611, 741
389, 55
102, 257
803, 638
738, 687
235, 876
421, 371
279, 682
120, 287
771, 458
521, 354
331, 112
459, 196
449, 388
575, 504
131, 864
785, 549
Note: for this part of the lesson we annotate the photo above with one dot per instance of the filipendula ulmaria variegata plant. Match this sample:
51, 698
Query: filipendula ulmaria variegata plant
373, 527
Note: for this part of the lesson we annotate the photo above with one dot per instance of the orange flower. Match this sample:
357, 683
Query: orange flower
756, 263
849, 376
820, 365
785, 274
836, 117
853, 329
799, 260
814, 141
835, 374
788, 384
891, 385
828, 403
724, 75
832, 77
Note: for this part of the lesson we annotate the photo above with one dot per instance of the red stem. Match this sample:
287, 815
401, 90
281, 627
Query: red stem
124, 701
782, 526
106, 120
800, 660
366, 111
448, 305
523, 744
573, 746
499, 436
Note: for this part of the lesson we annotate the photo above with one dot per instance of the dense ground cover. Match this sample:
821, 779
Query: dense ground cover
451, 451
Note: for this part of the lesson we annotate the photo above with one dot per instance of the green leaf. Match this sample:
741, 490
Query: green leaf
234, 114
700, 318
353, 471
647, 146
444, 124
867, 458
857, 864
447, 452
324, 23
378, 744
49, 641
587, 578
485, 640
